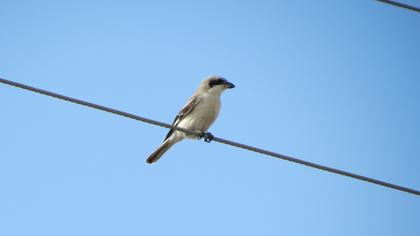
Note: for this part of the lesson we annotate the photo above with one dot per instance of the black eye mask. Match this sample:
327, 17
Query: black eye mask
216, 82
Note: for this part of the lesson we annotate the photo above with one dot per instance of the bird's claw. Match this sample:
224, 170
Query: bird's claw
208, 137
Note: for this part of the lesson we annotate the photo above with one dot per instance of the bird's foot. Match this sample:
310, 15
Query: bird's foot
208, 137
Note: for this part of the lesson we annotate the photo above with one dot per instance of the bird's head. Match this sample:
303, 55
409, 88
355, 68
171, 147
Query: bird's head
215, 85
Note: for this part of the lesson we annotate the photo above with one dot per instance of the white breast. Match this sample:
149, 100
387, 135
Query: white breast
203, 115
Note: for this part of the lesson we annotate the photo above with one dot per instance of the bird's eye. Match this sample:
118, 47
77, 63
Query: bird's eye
212, 83
216, 82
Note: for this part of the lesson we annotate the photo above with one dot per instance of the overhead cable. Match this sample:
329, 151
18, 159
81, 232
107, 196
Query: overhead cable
399, 4
216, 139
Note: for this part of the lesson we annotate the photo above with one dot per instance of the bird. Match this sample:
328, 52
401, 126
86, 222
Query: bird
197, 115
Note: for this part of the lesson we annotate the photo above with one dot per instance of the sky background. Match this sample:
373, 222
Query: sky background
332, 82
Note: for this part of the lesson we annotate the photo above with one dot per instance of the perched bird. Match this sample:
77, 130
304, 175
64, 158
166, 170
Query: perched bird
197, 115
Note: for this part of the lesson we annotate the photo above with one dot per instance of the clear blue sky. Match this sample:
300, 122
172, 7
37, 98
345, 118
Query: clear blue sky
333, 82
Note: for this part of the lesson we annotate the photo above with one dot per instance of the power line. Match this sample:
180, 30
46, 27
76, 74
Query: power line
399, 4
216, 139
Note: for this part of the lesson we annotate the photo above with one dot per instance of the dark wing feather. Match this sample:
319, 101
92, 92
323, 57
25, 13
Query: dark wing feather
184, 111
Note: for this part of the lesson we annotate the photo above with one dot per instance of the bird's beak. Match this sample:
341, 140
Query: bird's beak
229, 85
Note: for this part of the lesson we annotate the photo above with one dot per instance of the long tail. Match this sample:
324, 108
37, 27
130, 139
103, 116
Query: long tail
160, 151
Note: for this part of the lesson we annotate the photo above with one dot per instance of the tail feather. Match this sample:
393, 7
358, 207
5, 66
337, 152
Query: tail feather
159, 151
